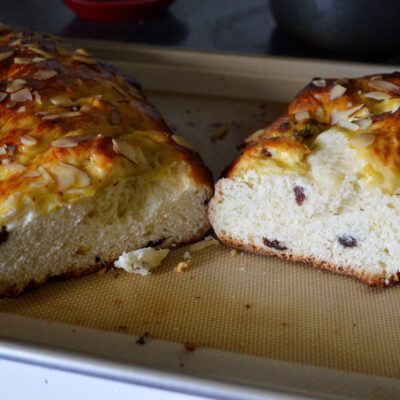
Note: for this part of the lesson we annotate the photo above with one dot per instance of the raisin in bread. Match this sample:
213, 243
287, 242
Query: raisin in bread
321, 184
88, 168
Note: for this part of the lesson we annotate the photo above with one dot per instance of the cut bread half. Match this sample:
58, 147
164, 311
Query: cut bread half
88, 168
321, 185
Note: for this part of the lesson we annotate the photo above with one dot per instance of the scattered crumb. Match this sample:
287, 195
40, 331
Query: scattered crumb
187, 256
141, 340
176, 329
188, 111
101, 271
198, 297
283, 324
190, 124
122, 328
242, 269
247, 306
181, 365
234, 253
183, 266
219, 133
118, 302
354, 324
189, 346
202, 244
141, 261
242, 344
46, 381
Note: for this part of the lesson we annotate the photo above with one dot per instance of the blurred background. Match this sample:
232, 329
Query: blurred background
355, 30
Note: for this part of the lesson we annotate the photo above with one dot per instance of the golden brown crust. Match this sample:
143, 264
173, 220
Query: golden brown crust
371, 280
72, 125
368, 106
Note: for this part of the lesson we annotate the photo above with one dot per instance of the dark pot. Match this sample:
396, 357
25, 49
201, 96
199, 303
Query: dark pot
350, 25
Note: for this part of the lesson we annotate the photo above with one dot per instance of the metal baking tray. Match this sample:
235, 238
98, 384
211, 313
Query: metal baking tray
233, 326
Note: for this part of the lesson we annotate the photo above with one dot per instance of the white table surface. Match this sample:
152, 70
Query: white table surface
22, 381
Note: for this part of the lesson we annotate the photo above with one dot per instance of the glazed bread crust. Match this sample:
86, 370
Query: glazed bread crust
321, 184
88, 167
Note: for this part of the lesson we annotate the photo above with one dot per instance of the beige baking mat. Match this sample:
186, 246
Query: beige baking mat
245, 303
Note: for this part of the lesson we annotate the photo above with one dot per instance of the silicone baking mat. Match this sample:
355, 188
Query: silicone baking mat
240, 303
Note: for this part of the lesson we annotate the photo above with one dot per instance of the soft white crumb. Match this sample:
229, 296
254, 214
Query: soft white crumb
141, 261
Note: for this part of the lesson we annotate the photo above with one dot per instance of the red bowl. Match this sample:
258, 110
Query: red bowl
116, 10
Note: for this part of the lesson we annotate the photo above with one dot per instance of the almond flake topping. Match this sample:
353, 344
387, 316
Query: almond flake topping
364, 123
182, 141
2, 96
21, 109
125, 149
384, 86
348, 125
22, 60
38, 59
28, 140
302, 115
64, 142
61, 115
41, 52
61, 100
15, 85
16, 167
319, 82
31, 174
336, 116
336, 92
5, 55
3, 149
361, 140
21, 95
84, 59
42, 171
44, 74
82, 52
69, 175
377, 95
37, 97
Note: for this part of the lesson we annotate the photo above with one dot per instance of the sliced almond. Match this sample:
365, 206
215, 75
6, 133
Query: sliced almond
20, 109
2, 96
38, 59
302, 115
21, 95
27, 140
361, 140
61, 115
82, 52
37, 97
22, 60
255, 135
377, 95
348, 125
5, 55
64, 142
32, 174
319, 113
364, 123
3, 149
125, 149
181, 141
15, 167
86, 60
384, 86
336, 92
120, 90
61, 100
42, 171
44, 74
15, 85
41, 52
336, 116
319, 82
69, 175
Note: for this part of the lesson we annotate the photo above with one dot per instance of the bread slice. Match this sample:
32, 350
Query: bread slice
321, 185
89, 169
